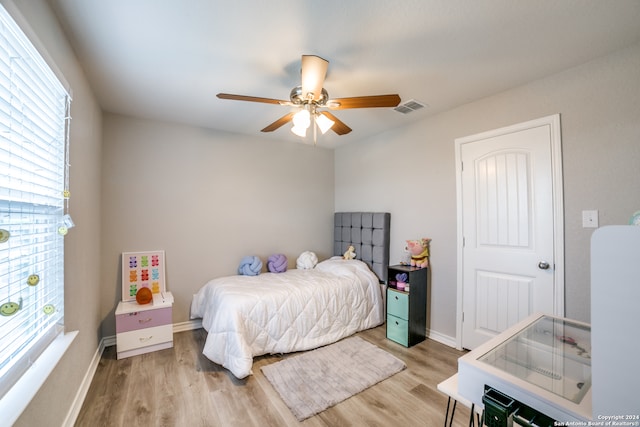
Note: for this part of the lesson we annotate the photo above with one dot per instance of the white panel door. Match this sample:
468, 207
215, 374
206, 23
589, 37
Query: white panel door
508, 229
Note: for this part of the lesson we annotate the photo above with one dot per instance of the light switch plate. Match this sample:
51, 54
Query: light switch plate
590, 219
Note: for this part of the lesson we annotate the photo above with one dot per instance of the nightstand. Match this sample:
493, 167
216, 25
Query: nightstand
407, 311
144, 328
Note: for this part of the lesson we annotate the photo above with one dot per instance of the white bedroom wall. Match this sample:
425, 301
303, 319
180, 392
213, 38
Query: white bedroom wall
52, 403
411, 171
207, 199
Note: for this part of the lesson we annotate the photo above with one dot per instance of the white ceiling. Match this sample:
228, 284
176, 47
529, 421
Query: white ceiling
167, 59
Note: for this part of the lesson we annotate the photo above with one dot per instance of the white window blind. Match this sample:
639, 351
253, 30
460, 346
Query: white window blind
34, 118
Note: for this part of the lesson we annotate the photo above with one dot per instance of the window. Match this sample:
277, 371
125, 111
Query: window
34, 125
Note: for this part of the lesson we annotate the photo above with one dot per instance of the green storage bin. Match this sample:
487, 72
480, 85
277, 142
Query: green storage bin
398, 304
398, 330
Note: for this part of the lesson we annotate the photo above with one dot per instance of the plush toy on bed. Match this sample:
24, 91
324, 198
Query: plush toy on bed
350, 253
250, 266
306, 261
419, 250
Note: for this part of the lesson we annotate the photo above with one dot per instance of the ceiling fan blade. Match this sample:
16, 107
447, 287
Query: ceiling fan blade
278, 123
338, 127
364, 102
251, 99
314, 70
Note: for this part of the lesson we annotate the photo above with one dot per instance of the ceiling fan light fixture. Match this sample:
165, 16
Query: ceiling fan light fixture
301, 122
302, 119
324, 122
300, 131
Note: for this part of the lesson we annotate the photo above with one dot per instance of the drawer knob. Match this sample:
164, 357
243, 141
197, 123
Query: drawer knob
396, 298
147, 320
143, 339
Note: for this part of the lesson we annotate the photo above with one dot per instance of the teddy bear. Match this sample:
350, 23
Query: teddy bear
350, 253
419, 250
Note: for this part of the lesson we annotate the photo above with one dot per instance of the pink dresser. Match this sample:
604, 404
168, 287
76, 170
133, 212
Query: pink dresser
144, 328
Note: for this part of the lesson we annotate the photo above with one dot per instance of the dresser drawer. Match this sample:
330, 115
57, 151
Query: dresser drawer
143, 319
398, 304
144, 337
398, 330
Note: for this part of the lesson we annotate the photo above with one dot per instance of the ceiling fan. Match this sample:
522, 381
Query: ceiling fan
313, 99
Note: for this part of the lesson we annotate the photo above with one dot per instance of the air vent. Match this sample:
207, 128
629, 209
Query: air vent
409, 106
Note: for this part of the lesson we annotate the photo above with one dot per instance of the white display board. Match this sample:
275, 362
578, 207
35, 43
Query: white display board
615, 322
142, 270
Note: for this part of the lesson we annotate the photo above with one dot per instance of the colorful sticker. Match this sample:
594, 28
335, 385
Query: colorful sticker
4, 235
9, 308
33, 280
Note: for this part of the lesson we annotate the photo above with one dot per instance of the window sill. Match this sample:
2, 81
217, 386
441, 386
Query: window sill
18, 398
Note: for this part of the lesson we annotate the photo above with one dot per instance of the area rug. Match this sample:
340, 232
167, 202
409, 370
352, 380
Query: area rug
319, 379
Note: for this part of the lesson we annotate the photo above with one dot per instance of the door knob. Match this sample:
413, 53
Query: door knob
542, 265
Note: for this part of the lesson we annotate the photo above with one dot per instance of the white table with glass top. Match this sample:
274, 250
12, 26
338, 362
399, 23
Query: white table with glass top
543, 362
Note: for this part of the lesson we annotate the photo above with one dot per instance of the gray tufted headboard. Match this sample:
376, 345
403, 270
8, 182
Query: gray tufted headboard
368, 232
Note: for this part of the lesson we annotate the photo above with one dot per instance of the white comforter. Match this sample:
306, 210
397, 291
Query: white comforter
247, 316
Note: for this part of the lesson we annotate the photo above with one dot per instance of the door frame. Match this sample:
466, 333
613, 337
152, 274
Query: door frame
553, 121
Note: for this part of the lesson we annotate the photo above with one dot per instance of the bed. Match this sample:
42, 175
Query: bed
300, 309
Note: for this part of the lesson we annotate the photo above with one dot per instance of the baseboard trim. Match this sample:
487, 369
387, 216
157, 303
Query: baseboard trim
78, 400
105, 342
187, 326
108, 341
441, 338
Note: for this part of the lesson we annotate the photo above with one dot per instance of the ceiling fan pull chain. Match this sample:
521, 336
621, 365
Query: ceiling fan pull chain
315, 131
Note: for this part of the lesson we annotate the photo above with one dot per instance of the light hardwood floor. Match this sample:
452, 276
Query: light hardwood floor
180, 387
